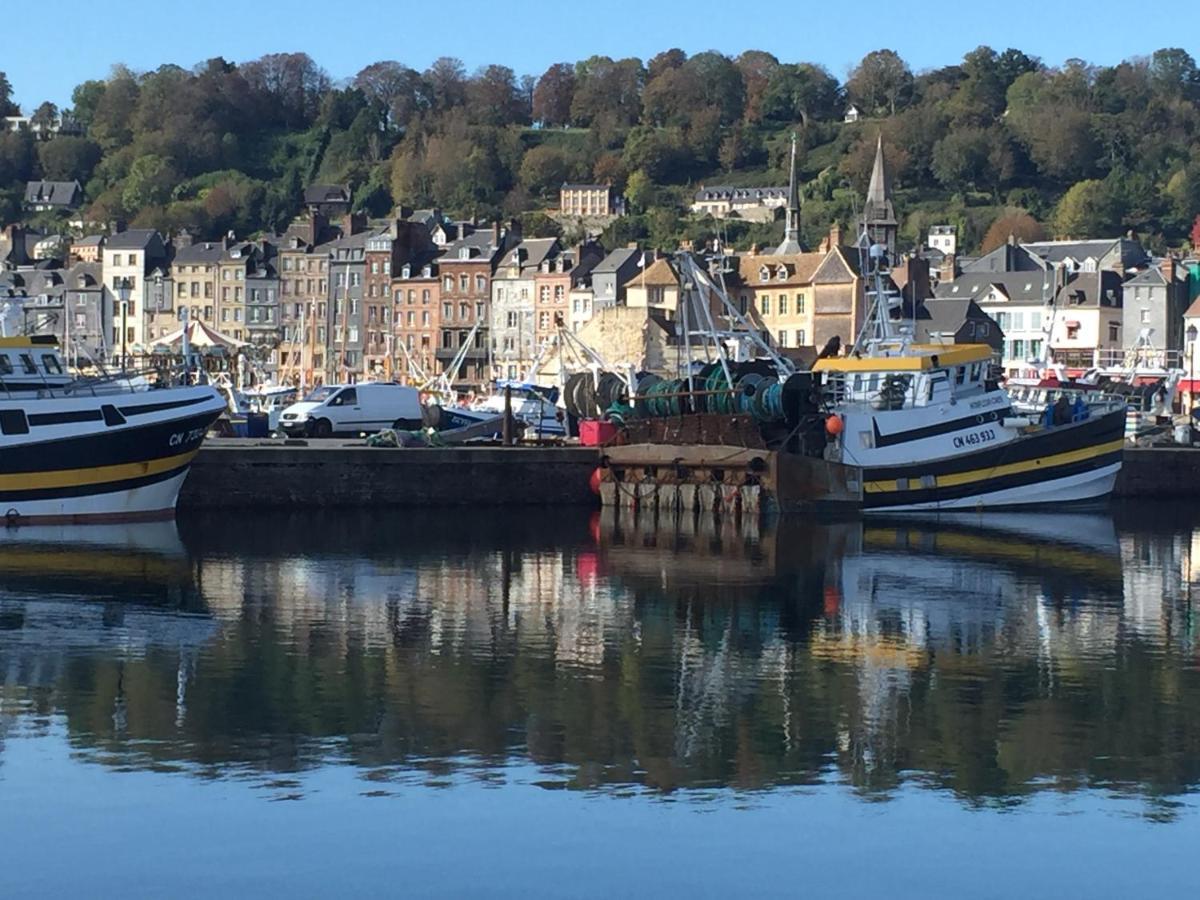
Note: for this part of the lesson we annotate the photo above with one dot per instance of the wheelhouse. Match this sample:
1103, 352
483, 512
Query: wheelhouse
926, 375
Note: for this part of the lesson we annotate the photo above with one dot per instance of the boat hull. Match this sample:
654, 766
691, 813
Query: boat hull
83, 462
1073, 464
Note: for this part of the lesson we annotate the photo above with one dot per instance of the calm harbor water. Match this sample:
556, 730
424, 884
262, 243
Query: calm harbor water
516, 705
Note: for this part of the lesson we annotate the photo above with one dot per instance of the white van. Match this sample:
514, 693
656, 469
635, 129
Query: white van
352, 409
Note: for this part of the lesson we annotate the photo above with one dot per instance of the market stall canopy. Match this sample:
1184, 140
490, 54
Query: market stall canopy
201, 338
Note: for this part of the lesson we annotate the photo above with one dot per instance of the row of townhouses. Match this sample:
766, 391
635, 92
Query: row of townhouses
338, 298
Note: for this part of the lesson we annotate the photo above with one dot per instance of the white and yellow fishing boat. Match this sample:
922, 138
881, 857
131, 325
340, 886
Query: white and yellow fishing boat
82, 450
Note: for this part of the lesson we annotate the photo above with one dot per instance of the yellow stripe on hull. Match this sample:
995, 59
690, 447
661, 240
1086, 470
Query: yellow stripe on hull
957, 478
72, 478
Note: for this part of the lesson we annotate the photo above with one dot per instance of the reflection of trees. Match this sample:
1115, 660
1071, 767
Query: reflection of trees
965, 662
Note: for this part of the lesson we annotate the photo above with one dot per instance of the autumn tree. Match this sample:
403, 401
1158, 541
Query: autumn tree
757, 68
399, 90
447, 80
494, 98
292, 83
553, 95
607, 89
1017, 224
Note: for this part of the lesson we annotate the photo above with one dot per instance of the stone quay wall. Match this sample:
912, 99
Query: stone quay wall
328, 474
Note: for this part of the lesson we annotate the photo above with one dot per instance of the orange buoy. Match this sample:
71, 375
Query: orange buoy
834, 425
594, 482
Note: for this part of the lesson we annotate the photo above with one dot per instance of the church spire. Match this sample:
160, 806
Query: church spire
879, 214
791, 232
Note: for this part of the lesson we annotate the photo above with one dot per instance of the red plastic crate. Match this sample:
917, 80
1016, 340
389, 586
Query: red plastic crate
596, 432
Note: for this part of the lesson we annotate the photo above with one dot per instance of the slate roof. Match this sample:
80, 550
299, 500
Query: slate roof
200, 253
131, 239
316, 194
1131, 253
727, 192
616, 260
62, 194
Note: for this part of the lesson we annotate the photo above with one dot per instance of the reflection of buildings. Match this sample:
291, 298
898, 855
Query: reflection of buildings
974, 653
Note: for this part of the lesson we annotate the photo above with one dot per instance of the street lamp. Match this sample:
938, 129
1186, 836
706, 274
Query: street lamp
1191, 338
124, 288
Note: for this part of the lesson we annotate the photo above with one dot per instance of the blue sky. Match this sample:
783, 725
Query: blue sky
528, 36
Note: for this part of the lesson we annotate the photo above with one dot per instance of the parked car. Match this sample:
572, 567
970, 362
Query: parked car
352, 409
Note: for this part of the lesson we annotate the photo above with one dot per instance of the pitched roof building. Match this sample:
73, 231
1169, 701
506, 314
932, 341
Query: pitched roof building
41, 196
879, 215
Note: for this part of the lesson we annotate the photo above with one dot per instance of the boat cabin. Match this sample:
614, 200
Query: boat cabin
31, 363
915, 375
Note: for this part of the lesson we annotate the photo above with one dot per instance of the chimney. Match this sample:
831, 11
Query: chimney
1168, 269
116, 226
1012, 239
353, 223
755, 249
835, 235
496, 233
183, 238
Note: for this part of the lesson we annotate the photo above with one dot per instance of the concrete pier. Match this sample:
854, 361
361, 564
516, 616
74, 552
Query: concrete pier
249, 474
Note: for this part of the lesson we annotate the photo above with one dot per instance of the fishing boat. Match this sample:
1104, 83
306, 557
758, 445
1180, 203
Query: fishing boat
96, 449
890, 426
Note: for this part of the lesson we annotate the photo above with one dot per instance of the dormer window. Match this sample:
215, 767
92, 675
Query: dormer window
426, 271
781, 273
764, 274
406, 271
464, 253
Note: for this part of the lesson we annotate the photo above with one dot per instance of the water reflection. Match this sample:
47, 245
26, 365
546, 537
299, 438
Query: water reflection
993, 657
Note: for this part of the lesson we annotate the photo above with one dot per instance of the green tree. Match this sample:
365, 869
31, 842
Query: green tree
882, 82
1086, 210
639, 190
7, 107
67, 158
149, 183
801, 93
543, 170
962, 158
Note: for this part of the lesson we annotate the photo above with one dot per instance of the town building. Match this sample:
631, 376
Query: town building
655, 289
194, 271
416, 293
613, 273
514, 310
136, 260
347, 274
331, 201
943, 239
755, 204
466, 270
791, 229
957, 320
878, 220
86, 249
589, 201
556, 278
303, 303
1155, 301
53, 196
263, 330
801, 299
